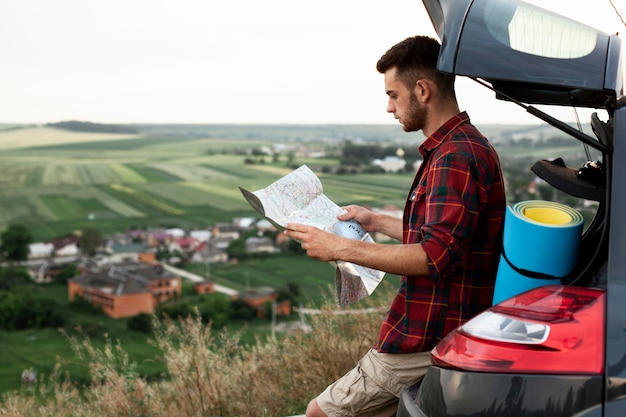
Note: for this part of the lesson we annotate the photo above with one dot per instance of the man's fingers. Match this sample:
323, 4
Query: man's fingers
295, 227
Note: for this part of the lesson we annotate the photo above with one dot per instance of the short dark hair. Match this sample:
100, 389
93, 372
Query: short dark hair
415, 58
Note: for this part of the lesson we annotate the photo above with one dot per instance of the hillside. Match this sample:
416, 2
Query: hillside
34, 136
80, 126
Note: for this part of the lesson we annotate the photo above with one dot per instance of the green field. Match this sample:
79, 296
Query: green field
154, 181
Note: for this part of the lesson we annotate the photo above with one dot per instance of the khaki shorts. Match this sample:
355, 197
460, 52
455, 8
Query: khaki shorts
372, 388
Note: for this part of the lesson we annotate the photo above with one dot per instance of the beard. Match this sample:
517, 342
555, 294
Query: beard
415, 116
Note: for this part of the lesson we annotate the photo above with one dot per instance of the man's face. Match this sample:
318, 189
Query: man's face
403, 103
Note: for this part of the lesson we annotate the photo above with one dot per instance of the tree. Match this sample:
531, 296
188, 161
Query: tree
90, 240
15, 241
13, 276
241, 310
140, 323
22, 308
69, 271
215, 309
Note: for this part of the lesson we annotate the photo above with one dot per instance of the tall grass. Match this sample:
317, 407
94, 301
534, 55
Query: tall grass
208, 375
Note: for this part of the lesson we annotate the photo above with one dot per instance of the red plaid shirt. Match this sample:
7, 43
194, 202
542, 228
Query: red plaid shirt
455, 209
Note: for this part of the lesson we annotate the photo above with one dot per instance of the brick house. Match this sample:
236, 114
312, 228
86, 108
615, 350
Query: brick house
259, 297
126, 289
204, 287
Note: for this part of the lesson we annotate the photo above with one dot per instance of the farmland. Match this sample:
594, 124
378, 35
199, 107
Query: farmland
62, 184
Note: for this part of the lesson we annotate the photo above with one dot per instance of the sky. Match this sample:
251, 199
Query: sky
228, 61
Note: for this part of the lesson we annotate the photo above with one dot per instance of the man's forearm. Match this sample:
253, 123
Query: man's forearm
394, 259
389, 226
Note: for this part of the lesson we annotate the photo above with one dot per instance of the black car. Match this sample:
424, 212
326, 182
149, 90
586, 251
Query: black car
559, 348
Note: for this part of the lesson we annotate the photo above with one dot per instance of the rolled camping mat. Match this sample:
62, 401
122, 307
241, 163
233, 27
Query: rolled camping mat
540, 246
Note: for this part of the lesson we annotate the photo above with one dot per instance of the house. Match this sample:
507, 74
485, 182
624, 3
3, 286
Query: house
157, 237
175, 232
391, 163
259, 297
127, 289
244, 223
226, 231
45, 272
208, 252
40, 250
264, 225
182, 245
260, 244
201, 235
148, 258
66, 247
222, 243
204, 287
122, 251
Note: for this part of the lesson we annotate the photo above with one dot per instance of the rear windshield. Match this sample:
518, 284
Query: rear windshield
531, 30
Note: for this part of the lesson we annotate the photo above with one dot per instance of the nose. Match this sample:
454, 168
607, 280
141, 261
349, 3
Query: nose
390, 107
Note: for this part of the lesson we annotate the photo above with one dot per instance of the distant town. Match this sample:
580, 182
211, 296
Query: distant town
133, 272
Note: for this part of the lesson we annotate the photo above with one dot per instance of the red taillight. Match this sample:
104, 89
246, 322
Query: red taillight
551, 329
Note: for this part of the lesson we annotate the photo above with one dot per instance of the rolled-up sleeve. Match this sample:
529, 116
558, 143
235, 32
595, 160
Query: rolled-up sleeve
452, 208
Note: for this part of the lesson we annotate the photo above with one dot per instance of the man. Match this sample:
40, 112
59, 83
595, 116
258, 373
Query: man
451, 235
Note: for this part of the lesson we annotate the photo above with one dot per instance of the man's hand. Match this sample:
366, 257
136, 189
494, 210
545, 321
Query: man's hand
317, 243
394, 259
374, 222
362, 215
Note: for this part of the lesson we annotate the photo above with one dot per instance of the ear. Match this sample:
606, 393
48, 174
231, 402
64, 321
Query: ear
423, 90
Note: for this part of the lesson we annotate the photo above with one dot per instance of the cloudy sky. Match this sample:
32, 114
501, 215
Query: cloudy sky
228, 61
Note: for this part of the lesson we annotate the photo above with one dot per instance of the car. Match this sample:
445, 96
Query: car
557, 348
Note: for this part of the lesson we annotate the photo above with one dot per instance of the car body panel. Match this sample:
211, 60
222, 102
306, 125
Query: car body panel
616, 277
446, 392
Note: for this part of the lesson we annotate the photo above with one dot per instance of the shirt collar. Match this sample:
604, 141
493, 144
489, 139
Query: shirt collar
434, 140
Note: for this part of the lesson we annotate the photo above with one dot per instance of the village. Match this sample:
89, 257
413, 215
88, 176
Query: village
124, 277
132, 273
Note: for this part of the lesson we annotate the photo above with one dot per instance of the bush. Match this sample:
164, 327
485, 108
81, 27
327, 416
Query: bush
241, 310
21, 309
80, 305
208, 375
215, 309
140, 323
13, 276
69, 271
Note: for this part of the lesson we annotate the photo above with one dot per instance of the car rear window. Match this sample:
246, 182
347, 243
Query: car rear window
531, 30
